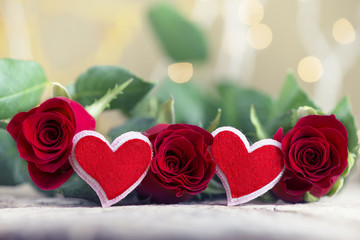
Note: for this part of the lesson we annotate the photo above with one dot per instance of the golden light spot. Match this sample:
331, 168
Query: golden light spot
180, 72
259, 36
343, 31
310, 69
251, 12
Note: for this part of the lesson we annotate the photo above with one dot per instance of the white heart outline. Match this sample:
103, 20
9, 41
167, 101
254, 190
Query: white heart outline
118, 142
246, 198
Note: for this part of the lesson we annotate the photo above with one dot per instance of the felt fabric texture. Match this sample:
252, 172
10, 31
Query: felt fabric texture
246, 171
113, 171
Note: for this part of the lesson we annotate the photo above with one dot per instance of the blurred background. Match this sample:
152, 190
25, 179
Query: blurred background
250, 42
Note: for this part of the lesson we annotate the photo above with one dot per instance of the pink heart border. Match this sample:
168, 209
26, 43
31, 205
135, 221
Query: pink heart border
246, 198
118, 142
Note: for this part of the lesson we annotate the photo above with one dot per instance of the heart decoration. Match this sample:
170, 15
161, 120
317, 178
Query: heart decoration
113, 171
246, 171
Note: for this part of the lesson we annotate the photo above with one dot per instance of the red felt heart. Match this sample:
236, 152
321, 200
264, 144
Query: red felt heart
113, 171
246, 171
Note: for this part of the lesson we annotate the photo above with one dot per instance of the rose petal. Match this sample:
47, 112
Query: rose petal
15, 125
278, 136
295, 185
320, 191
181, 162
321, 121
49, 181
53, 166
72, 110
340, 142
84, 121
59, 105
152, 132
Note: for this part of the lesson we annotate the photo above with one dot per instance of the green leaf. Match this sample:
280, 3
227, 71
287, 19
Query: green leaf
166, 112
180, 38
192, 103
308, 197
236, 102
75, 187
343, 113
71, 89
3, 123
9, 158
13, 169
215, 123
304, 111
101, 104
97, 81
22, 84
260, 132
336, 187
350, 165
291, 98
139, 124
59, 90
267, 197
214, 187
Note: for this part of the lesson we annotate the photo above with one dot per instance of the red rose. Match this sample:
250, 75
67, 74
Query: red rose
315, 155
182, 165
44, 139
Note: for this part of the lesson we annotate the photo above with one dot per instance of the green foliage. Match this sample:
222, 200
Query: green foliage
3, 124
22, 84
139, 124
214, 187
75, 187
336, 187
11, 165
166, 112
60, 91
343, 113
236, 102
308, 197
291, 97
13, 169
351, 162
260, 132
180, 38
193, 105
97, 107
96, 82
215, 123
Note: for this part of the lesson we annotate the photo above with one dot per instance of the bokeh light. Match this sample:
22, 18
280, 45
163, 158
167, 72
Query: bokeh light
310, 69
259, 36
343, 31
180, 72
251, 12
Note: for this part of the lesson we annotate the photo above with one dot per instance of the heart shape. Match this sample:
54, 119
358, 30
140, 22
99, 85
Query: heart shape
246, 171
113, 171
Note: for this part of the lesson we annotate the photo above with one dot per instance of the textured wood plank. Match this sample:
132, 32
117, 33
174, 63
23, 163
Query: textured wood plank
26, 214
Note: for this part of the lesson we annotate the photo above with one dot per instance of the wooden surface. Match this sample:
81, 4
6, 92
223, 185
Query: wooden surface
25, 214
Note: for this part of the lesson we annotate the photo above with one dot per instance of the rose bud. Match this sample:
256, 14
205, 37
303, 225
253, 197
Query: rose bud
181, 166
315, 155
44, 139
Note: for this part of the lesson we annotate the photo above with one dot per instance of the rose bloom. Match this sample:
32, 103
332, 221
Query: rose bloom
44, 139
181, 166
315, 155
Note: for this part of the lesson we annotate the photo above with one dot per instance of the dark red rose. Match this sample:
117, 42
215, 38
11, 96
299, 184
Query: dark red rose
315, 155
182, 165
44, 139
